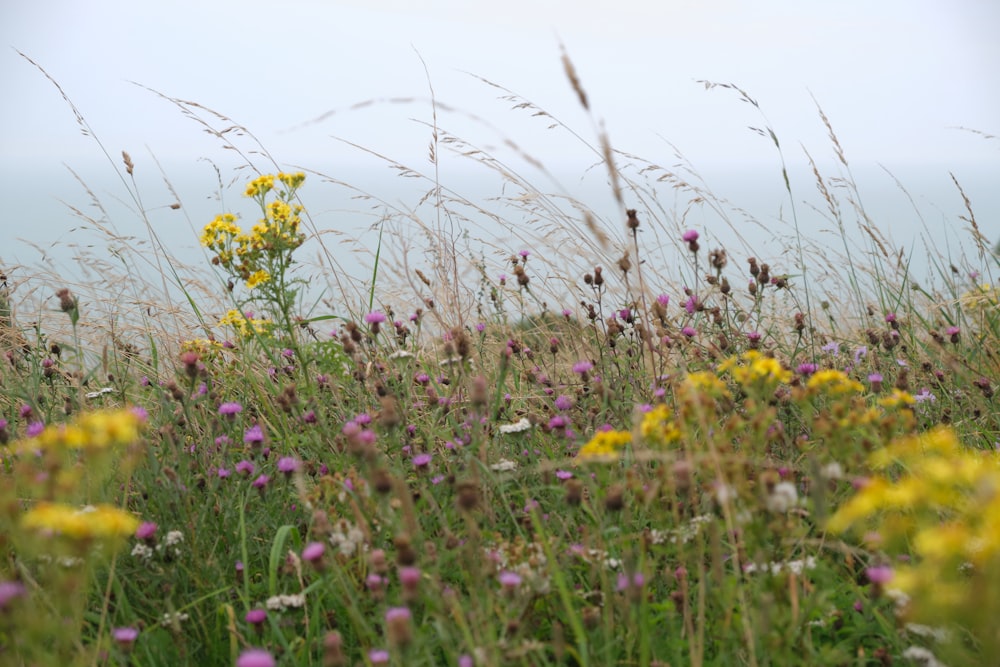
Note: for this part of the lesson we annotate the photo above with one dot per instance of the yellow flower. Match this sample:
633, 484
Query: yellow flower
604, 446
101, 522
91, 430
257, 278
759, 369
260, 186
832, 382
658, 427
245, 326
292, 181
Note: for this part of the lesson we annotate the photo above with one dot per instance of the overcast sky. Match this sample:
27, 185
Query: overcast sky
894, 76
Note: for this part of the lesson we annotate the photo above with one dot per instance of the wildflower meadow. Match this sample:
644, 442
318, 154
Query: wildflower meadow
591, 442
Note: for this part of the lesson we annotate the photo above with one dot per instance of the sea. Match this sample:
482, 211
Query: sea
91, 225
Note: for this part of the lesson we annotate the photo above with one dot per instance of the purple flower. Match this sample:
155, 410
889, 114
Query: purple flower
807, 369
421, 460
34, 428
690, 235
375, 317
313, 552
378, 656
10, 590
563, 402
125, 636
223, 473
509, 580
890, 317
145, 531
253, 435
230, 409
245, 467
288, 465
879, 575
255, 657
465, 660
563, 475
663, 300
256, 616
583, 367
690, 332
261, 482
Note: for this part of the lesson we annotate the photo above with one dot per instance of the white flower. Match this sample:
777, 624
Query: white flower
173, 537
782, 498
939, 634
401, 354
517, 427
347, 538
832, 471
503, 465
171, 619
99, 392
922, 656
142, 551
283, 602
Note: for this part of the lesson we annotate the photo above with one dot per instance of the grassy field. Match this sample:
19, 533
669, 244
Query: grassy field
614, 444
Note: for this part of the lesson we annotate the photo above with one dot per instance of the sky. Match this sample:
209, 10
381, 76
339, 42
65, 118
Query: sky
895, 77
345, 87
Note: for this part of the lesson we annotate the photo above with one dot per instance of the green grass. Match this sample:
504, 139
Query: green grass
626, 465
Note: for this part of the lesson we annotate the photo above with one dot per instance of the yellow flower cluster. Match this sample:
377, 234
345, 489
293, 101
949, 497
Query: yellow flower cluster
945, 507
247, 255
604, 446
245, 325
87, 523
91, 430
658, 427
753, 369
831, 381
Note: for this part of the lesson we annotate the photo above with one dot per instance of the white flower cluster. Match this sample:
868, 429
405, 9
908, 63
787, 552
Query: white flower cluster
522, 424
775, 568
503, 465
283, 602
684, 534
783, 498
347, 538
144, 552
173, 618
921, 656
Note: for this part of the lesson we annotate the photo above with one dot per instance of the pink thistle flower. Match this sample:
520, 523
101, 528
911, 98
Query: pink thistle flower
255, 657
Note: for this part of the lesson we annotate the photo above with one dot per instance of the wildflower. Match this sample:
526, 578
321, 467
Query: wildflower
522, 424
288, 465
256, 617
283, 602
399, 625
257, 277
563, 475
146, 531
261, 482
255, 657
604, 445
253, 435
833, 382
142, 551
583, 367
245, 467
503, 465
690, 235
689, 331
230, 410
509, 580
173, 538
378, 656
782, 498
421, 460
313, 553
102, 521
563, 402
125, 637
10, 591
807, 369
